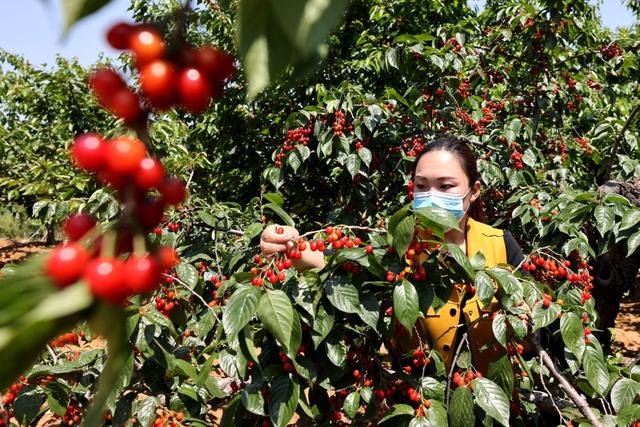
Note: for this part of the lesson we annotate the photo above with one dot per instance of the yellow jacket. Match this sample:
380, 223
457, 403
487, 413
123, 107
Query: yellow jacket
442, 326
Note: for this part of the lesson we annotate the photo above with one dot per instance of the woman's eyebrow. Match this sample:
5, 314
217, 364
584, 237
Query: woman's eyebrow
441, 178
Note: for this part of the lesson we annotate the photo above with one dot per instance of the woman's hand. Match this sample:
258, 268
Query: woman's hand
272, 242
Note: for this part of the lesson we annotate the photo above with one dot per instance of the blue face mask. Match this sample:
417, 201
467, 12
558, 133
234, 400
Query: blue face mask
453, 203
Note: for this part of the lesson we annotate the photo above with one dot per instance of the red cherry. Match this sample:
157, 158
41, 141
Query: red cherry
158, 81
216, 64
168, 257
173, 191
77, 225
105, 82
142, 274
118, 35
150, 174
149, 212
194, 90
106, 280
124, 155
126, 105
88, 151
66, 263
147, 45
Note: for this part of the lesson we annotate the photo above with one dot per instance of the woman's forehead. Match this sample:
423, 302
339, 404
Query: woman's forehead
439, 164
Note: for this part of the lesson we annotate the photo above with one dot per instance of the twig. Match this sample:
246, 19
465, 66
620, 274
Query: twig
544, 385
348, 227
194, 293
616, 143
464, 340
53, 354
190, 178
578, 399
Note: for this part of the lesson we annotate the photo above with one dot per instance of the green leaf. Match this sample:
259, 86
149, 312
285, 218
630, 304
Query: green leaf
405, 304
490, 397
342, 294
75, 10
283, 400
27, 406
188, 274
146, 411
369, 311
461, 408
276, 313
336, 348
240, 308
432, 388
353, 164
596, 370
572, 332
633, 243
605, 218
484, 288
403, 235
624, 392
501, 372
437, 61
461, 258
252, 398
630, 218
351, 404
275, 34
544, 316
365, 155
322, 324
399, 409
281, 213
499, 327
441, 217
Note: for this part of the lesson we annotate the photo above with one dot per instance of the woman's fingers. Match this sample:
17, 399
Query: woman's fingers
270, 248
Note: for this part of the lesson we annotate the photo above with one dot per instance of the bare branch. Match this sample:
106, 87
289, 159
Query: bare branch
616, 143
571, 392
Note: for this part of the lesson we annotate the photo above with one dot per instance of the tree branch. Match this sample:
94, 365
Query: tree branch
571, 392
616, 143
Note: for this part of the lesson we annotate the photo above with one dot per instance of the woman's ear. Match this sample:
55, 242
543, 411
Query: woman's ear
475, 192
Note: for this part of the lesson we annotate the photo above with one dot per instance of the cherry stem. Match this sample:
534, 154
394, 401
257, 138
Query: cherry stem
140, 244
108, 248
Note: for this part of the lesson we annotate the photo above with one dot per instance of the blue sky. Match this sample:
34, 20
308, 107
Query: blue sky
33, 28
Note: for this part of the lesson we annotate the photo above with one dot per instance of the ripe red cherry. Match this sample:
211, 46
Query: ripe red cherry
124, 155
106, 280
216, 64
158, 79
142, 274
173, 191
118, 35
105, 82
88, 151
168, 257
149, 212
147, 45
126, 105
150, 174
66, 264
77, 225
194, 90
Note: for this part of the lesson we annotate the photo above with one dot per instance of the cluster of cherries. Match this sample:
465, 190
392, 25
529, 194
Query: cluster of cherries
584, 145
295, 137
170, 418
411, 146
611, 51
64, 339
124, 164
165, 304
339, 124
550, 272
185, 76
72, 415
465, 379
